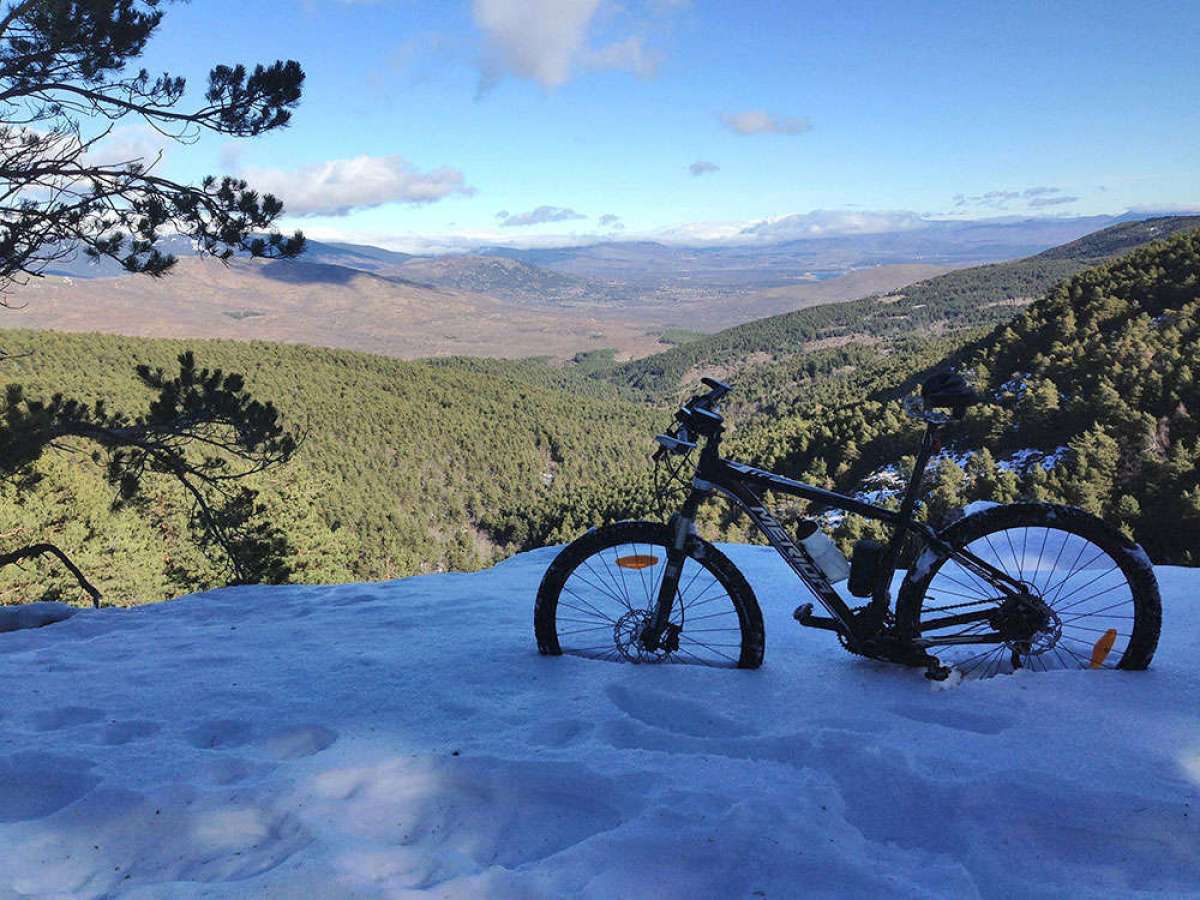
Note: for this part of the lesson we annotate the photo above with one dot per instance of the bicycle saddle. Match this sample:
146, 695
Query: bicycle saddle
948, 390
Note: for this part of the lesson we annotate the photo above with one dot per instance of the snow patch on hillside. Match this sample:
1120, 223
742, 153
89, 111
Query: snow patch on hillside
404, 737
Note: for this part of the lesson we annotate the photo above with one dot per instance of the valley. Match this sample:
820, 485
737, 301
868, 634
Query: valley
454, 462
441, 308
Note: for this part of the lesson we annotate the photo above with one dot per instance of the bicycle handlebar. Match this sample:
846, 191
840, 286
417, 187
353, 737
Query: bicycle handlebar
700, 413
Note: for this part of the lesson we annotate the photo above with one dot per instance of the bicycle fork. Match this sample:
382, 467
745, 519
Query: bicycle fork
660, 632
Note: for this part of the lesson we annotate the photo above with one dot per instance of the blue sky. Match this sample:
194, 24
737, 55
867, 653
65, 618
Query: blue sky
422, 121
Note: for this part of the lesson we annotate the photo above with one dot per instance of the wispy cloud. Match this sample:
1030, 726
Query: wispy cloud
339, 186
824, 222
130, 143
547, 42
612, 221
757, 121
703, 167
1038, 196
538, 216
1038, 202
630, 55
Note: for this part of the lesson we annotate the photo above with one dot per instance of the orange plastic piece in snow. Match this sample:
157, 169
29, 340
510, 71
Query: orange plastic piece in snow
1103, 647
639, 561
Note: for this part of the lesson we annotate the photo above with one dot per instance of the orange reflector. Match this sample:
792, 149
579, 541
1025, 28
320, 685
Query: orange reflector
636, 562
1103, 647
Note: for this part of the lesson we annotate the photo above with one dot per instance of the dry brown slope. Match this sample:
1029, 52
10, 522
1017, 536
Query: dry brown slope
335, 306
296, 302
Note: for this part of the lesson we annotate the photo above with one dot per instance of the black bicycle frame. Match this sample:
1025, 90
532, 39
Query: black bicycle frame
744, 485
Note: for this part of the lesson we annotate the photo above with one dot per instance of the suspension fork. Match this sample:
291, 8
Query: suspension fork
682, 527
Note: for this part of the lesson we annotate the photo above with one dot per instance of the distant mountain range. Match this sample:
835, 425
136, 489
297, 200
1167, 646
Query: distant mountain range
765, 263
515, 303
625, 271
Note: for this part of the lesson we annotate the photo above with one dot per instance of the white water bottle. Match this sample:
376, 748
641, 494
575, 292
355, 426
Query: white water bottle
825, 554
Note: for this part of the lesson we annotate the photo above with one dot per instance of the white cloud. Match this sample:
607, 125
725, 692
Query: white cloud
533, 39
1040, 202
339, 186
130, 143
629, 55
815, 224
706, 232
703, 167
757, 121
538, 216
547, 41
825, 222
1037, 197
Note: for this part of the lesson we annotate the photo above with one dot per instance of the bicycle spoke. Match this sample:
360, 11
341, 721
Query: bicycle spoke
1038, 564
1080, 580
620, 572
1090, 596
599, 599
583, 630
600, 590
589, 606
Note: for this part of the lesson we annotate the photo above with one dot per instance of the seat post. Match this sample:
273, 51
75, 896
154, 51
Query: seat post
931, 442
881, 597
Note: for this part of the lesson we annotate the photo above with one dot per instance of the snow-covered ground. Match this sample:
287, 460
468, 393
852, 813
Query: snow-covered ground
377, 740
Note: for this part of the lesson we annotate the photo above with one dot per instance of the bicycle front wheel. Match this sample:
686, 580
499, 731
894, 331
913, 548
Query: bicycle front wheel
602, 590
1090, 601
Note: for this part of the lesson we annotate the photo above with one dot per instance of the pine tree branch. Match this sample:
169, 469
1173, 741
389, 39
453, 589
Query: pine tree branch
43, 549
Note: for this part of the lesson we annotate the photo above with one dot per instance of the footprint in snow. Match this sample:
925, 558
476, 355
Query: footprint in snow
226, 770
298, 741
958, 719
672, 713
116, 733
64, 717
219, 734
562, 733
34, 785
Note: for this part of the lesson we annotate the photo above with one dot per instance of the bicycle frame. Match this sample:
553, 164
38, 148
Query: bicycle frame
744, 485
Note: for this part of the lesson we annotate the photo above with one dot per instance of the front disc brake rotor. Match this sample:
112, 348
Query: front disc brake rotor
627, 635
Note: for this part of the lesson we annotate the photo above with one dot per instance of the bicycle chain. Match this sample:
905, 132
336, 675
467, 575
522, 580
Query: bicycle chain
953, 606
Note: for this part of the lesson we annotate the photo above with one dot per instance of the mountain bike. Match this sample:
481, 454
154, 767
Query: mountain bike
1032, 586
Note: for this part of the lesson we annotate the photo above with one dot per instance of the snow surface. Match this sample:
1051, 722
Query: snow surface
405, 737
33, 615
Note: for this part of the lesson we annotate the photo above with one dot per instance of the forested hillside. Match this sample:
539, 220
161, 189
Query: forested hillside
1093, 398
404, 468
410, 467
966, 298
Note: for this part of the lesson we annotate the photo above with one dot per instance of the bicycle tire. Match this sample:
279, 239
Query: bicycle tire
599, 596
1058, 575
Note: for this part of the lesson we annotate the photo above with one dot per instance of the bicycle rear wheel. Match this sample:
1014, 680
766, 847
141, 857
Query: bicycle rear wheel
1091, 598
602, 590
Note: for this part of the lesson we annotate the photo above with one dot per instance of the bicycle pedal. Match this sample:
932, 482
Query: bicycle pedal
804, 615
937, 673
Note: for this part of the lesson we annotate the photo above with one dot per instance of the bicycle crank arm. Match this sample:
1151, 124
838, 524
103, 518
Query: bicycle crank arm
804, 615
